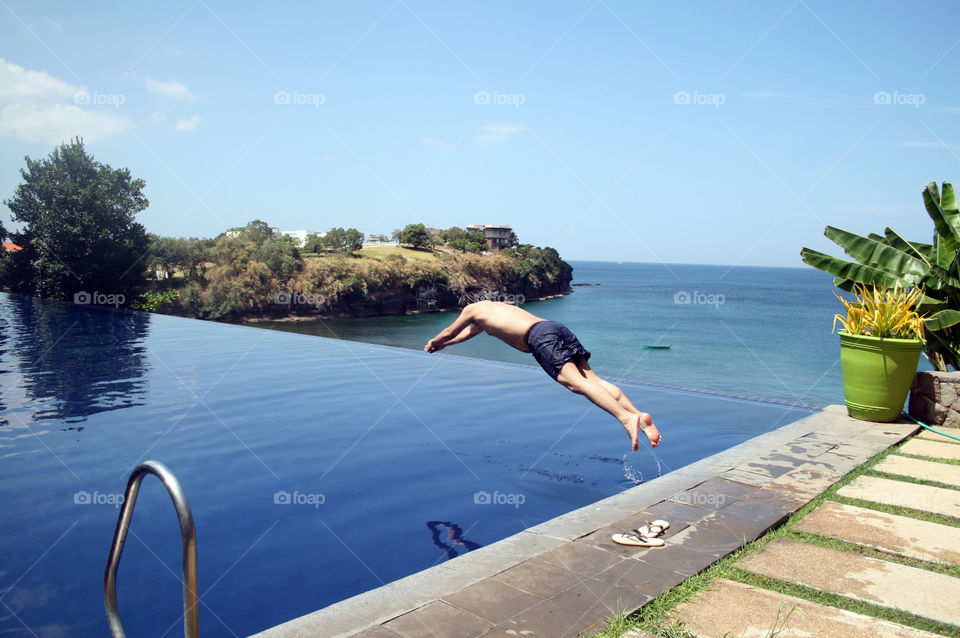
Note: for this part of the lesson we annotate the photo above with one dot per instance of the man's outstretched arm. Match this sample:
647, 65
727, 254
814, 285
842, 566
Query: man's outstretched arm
460, 330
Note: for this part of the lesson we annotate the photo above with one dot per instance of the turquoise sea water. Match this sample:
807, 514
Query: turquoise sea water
759, 332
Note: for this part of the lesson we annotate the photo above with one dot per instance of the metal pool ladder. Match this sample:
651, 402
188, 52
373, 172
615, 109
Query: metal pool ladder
188, 542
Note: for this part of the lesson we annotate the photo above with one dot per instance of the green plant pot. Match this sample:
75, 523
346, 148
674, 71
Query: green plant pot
877, 374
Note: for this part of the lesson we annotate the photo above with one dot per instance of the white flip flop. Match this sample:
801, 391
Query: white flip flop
635, 539
653, 528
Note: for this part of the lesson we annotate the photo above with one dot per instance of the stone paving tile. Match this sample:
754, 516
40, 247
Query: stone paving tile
891, 533
933, 436
712, 494
676, 513
538, 577
679, 558
901, 494
918, 468
492, 600
636, 576
708, 541
744, 520
569, 614
805, 449
772, 465
804, 482
931, 448
788, 501
734, 609
740, 475
876, 581
375, 632
439, 620
580, 558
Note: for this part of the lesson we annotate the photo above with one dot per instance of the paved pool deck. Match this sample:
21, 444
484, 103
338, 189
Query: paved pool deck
564, 576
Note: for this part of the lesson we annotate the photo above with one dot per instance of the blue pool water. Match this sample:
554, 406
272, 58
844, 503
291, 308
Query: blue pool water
316, 468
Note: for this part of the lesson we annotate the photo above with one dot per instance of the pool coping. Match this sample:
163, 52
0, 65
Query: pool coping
715, 504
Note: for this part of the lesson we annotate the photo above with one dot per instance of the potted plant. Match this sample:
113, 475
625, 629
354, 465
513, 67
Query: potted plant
880, 343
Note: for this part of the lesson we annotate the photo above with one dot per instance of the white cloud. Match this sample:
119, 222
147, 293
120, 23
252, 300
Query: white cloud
55, 123
17, 83
171, 89
157, 117
39, 108
441, 144
187, 123
493, 132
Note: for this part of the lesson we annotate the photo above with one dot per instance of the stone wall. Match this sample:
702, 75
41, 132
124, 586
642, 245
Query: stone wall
935, 398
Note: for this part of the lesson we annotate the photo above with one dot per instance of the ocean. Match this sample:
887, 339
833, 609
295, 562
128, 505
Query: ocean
745, 331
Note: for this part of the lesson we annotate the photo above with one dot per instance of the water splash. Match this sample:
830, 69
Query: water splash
630, 473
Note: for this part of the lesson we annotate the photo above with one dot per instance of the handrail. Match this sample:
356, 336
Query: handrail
188, 541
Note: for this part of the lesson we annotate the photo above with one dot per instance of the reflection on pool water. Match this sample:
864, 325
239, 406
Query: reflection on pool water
316, 469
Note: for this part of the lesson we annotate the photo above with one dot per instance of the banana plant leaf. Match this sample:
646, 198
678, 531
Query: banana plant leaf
849, 270
942, 208
942, 319
879, 255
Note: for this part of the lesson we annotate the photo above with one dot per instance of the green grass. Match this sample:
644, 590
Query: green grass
657, 617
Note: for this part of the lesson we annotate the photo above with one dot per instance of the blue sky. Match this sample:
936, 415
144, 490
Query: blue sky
658, 132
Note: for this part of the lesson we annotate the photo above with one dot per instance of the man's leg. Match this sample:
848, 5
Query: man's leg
646, 422
576, 381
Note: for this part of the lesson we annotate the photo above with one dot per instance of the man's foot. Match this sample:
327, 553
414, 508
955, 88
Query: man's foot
642, 422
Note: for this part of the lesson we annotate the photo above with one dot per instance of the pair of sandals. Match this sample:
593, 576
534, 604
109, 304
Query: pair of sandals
643, 536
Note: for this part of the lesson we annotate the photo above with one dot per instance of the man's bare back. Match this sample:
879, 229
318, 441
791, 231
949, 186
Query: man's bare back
559, 353
508, 323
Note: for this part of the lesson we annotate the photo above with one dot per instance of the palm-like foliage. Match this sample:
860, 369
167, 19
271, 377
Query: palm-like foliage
888, 261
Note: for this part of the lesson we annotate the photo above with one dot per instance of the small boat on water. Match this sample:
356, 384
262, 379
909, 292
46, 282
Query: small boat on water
656, 347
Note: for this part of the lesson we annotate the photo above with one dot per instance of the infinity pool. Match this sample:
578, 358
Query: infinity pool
316, 468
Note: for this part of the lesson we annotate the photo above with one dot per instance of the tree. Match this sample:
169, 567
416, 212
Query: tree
79, 231
395, 235
452, 234
335, 239
415, 235
353, 240
313, 243
256, 231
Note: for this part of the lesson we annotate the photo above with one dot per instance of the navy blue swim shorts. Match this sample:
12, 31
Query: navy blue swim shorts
553, 345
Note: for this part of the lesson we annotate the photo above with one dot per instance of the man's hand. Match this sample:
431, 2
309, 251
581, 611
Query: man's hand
432, 346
